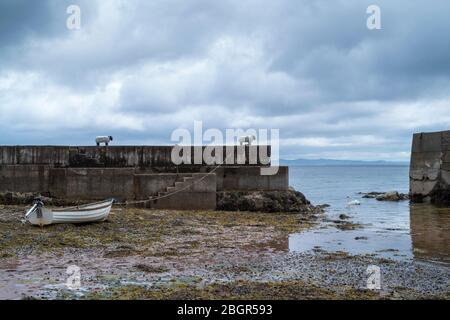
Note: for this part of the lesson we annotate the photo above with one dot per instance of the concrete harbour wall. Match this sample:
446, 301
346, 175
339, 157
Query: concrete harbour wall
126, 183
131, 173
430, 167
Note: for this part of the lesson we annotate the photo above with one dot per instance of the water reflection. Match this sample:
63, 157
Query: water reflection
420, 232
430, 234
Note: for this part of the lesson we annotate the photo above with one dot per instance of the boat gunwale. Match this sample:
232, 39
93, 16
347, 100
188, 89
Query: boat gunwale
85, 207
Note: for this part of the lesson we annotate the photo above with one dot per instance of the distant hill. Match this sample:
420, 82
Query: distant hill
333, 162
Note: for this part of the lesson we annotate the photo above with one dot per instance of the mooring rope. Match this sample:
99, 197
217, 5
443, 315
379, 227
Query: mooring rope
169, 194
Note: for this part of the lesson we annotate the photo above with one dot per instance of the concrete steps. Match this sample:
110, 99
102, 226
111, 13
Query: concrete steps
180, 185
187, 194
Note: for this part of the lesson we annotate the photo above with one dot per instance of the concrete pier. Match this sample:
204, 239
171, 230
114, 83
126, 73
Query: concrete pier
132, 173
430, 167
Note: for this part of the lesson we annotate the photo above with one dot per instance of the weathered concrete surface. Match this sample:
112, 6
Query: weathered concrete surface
123, 156
430, 167
25, 178
92, 183
24, 155
62, 181
250, 179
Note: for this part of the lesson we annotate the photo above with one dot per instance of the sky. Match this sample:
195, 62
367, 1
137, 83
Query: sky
138, 70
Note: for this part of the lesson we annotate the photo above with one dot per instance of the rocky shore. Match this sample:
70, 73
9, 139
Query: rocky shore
155, 254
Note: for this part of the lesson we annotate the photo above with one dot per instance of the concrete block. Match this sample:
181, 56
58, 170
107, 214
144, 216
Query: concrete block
49, 155
422, 187
424, 174
34, 155
427, 142
8, 155
111, 156
426, 160
92, 183
250, 179
24, 178
446, 141
156, 156
445, 156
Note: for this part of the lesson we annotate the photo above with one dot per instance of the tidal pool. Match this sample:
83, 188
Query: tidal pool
396, 230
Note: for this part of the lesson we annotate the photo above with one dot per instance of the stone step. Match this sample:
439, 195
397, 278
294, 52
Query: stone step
179, 185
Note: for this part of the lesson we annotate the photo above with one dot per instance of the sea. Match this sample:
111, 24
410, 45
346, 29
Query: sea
394, 230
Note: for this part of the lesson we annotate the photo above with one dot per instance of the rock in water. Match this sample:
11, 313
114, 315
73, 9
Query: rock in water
392, 196
343, 216
372, 195
386, 196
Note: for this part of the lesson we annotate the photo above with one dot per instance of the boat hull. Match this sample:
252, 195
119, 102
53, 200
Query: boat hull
80, 214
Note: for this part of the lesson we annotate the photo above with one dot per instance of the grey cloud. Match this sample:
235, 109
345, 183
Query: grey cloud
310, 68
20, 19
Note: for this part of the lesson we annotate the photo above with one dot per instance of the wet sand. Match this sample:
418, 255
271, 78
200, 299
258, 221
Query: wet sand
144, 254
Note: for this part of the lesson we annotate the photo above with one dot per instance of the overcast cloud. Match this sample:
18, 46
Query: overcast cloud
137, 70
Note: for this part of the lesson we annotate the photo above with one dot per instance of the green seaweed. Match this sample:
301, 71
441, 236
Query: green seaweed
236, 290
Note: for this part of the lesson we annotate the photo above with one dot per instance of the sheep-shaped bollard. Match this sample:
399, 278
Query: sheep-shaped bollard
103, 139
248, 140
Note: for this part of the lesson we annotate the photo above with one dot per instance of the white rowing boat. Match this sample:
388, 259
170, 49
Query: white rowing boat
41, 216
